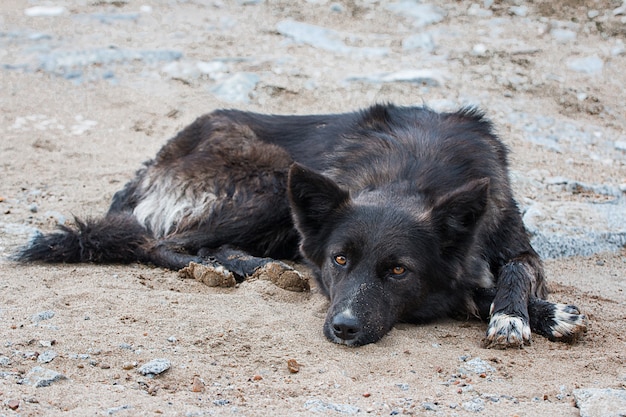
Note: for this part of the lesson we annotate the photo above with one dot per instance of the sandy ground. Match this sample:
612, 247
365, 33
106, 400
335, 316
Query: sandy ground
68, 143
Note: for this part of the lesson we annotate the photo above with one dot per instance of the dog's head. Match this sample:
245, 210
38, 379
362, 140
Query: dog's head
383, 257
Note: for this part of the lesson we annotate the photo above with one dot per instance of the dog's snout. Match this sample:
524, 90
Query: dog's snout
345, 326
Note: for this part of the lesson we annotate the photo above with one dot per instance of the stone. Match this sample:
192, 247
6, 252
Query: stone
431, 78
603, 402
562, 229
422, 14
237, 88
324, 38
587, 65
155, 367
319, 406
41, 377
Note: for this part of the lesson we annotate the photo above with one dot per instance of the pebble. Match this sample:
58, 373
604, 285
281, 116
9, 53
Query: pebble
237, 88
113, 410
427, 77
563, 35
521, 11
429, 406
197, 385
44, 11
42, 315
155, 367
423, 41
42, 377
601, 402
319, 406
475, 405
47, 356
13, 404
477, 366
421, 14
587, 65
293, 366
324, 38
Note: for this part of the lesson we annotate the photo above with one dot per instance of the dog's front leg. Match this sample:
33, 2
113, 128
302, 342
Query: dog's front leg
509, 324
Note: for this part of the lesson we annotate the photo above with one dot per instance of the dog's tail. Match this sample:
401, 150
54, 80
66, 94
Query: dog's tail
115, 238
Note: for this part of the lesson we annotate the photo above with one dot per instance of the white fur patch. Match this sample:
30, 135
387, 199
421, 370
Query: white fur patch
166, 203
507, 331
568, 322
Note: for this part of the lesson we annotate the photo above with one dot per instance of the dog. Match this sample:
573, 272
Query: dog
404, 214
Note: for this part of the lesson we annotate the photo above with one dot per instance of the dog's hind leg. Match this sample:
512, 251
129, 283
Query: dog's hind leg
243, 265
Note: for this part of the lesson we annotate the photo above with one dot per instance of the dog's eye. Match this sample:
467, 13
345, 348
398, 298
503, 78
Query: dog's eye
340, 260
398, 270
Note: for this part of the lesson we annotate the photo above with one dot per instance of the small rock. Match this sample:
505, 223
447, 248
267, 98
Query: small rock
422, 41
113, 410
42, 377
43, 315
477, 366
5, 361
521, 11
47, 356
480, 49
319, 406
601, 402
476, 405
237, 88
155, 367
324, 38
431, 78
592, 14
620, 145
429, 406
13, 404
44, 11
563, 35
293, 366
421, 14
588, 65
127, 366
197, 385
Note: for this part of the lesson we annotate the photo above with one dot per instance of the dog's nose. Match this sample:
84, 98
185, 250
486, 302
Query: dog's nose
345, 327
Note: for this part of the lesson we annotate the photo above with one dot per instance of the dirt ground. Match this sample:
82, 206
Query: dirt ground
70, 141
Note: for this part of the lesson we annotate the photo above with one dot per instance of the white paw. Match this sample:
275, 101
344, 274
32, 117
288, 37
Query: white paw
568, 324
507, 331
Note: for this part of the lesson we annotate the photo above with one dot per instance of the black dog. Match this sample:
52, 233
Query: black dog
405, 214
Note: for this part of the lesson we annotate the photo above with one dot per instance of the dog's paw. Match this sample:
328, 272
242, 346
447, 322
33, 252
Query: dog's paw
566, 324
506, 331
213, 275
283, 276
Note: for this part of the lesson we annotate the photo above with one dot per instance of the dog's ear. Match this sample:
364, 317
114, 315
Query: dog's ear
314, 199
458, 212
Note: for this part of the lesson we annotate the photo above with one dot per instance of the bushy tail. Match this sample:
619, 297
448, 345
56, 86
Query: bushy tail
116, 238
